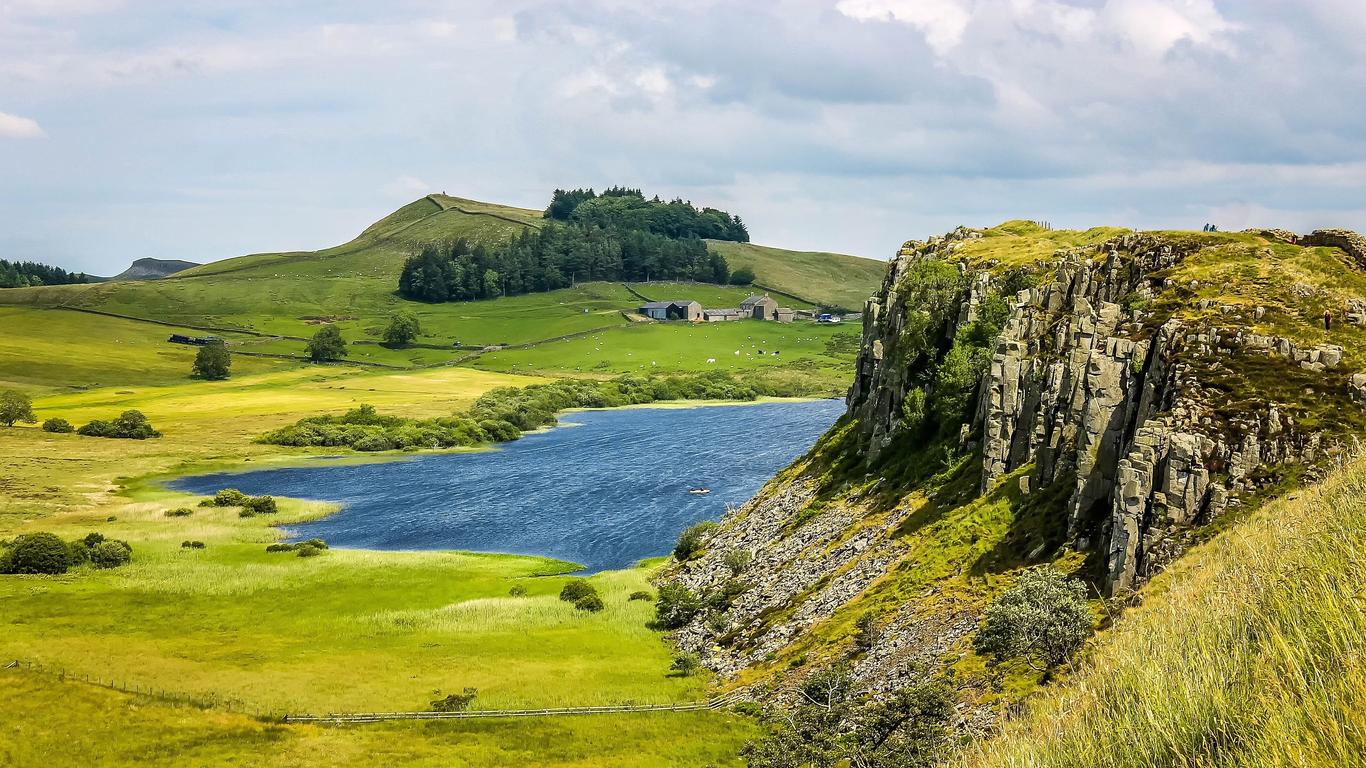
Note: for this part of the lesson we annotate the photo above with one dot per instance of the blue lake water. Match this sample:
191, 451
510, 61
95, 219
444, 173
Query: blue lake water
605, 489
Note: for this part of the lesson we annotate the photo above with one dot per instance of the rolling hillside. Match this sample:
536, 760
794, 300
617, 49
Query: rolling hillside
830, 279
286, 296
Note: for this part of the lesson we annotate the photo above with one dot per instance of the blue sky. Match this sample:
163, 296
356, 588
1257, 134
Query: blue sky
210, 129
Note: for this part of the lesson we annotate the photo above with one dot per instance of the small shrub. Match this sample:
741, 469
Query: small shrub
308, 550
192, 545
1043, 620
130, 425
641, 594
577, 589
229, 497
39, 553
91, 539
686, 665
111, 554
261, 505
246, 512
80, 553
179, 512
280, 548
676, 605
866, 632
591, 603
724, 597
517, 590
58, 425
693, 540
456, 702
737, 560
319, 543
718, 623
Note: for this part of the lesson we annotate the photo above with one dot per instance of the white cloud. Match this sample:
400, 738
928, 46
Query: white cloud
941, 21
16, 127
1154, 27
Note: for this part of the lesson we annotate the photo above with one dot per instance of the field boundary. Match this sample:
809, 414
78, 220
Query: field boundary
169, 324
340, 718
708, 705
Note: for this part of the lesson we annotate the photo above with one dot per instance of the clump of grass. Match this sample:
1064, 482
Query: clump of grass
1247, 653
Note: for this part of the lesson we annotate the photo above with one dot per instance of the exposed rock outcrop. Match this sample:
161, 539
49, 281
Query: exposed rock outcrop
1132, 405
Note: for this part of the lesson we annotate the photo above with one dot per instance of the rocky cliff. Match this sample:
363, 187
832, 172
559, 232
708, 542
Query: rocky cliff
1101, 400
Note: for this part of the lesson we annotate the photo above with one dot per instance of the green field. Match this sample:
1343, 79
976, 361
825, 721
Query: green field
348, 630
62, 723
831, 279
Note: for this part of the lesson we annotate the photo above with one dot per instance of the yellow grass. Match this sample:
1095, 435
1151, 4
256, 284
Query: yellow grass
1248, 652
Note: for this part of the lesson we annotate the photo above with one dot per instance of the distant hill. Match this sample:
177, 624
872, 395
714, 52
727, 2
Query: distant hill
153, 269
829, 279
355, 284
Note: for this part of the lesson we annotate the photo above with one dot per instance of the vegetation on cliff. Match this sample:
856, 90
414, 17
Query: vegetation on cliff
1098, 402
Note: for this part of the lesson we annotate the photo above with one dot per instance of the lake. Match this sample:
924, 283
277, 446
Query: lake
604, 489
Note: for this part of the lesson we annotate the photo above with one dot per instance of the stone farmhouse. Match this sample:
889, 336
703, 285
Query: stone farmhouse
756, 307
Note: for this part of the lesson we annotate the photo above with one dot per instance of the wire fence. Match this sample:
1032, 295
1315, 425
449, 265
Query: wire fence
241, 707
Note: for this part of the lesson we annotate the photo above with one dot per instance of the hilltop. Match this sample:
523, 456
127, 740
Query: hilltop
1098, 401
279, 299
153, 269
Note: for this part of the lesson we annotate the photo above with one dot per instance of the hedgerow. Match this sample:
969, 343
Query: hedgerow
502, 415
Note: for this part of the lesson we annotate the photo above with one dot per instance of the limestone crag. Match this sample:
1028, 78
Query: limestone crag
1129, 404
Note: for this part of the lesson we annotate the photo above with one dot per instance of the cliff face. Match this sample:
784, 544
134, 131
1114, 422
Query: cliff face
1098, 400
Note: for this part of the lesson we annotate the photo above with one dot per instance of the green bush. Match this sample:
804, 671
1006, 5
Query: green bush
39, 553
577, 589
517, 590
130, 425
229, 497
58, 425
80, 553
261, 505
456, 702
676, 605
1042, 620
111, 554
179, 512
192, 545
308, 550
693, 541
686, 665
737, 560
272, 548
641, 594
591, 603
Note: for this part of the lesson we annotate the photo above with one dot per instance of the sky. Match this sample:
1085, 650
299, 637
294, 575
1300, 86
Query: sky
211, 129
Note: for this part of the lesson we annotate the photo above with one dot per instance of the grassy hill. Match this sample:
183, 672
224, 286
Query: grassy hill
1246, 653
830, 279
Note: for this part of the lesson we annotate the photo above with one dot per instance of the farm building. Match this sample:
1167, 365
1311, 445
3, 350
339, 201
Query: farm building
672, 310
721, 315
765, 308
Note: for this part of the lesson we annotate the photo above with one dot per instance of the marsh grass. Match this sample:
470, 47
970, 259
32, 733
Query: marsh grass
1248, 652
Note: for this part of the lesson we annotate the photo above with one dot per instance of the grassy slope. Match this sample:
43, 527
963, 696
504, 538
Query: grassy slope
1246, 653
960, 549
833, 279
66, 724
354, 286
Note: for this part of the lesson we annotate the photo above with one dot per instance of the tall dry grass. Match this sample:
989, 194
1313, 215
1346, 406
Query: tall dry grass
1249, 652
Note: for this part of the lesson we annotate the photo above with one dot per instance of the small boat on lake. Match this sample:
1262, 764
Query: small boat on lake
699, 491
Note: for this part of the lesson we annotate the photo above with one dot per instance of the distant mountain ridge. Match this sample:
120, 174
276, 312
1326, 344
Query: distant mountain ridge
153, 269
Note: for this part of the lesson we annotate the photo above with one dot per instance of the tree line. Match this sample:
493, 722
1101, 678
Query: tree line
24, 274
622, 208
556, 256
617, 235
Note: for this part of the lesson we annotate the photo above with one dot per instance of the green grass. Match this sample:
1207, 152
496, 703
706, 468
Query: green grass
65, 724
829, 279
806, 351
354, 285
45, 350
1246, 653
